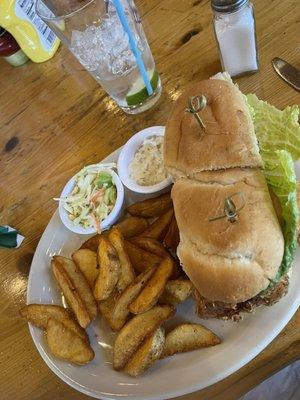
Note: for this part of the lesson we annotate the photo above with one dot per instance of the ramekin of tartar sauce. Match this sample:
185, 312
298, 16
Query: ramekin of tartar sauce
141, 165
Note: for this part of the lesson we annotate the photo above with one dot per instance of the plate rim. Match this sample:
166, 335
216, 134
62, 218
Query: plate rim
165, 395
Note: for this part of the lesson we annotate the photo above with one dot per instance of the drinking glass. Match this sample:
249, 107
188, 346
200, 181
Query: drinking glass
116, 55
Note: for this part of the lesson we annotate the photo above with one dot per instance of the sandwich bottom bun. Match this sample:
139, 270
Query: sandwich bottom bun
229, 262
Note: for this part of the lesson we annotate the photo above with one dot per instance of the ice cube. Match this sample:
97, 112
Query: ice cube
105, 46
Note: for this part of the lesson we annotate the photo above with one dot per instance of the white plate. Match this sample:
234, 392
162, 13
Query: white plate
172, 377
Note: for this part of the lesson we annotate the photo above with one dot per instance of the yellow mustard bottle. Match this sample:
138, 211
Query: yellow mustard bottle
34, 37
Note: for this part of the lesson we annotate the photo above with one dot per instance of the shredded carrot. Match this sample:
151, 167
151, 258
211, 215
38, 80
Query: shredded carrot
97, 195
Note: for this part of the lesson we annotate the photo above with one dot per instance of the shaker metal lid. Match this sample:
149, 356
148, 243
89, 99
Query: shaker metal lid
227, 6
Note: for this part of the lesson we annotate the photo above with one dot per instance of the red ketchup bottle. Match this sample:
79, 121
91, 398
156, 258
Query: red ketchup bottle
10, 50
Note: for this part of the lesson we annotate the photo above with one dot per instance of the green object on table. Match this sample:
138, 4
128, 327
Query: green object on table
278, 133
9, 237
138, 92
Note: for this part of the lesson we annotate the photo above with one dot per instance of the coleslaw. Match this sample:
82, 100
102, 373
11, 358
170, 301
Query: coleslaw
93, 196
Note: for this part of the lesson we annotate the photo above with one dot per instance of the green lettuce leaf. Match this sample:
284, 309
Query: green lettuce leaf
278, 133
281, 177
275, 129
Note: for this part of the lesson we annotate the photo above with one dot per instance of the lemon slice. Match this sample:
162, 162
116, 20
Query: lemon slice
138, 92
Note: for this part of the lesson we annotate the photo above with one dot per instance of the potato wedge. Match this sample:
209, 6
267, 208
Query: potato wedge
171, 240
75, 289
109, 272
159, 227
129, 227
151, 245
154, 288
147, 354
136, 331
120, 311
66, 344
127, 273
86, 261
39, 314
92, 243
80, 283
106, 306
153, 207
132, 226
141, 259
187, 337
176, 291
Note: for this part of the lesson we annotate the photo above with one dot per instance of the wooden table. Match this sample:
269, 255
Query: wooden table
54, 119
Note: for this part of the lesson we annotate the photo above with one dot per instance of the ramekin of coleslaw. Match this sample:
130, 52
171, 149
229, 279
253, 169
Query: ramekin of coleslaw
92, 200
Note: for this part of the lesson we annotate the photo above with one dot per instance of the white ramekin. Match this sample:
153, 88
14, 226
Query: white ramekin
109, 220
127, 154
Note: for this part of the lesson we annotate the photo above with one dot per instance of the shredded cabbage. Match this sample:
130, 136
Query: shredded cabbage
93, 196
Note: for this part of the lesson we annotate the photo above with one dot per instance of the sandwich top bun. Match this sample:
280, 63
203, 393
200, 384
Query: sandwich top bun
228, 141
228, 262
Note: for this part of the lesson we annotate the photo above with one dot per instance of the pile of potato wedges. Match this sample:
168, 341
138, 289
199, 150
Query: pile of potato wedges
130, 275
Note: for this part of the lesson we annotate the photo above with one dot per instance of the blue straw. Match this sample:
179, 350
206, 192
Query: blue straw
133, 45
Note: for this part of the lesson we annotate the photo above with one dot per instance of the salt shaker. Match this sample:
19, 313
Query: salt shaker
234, 26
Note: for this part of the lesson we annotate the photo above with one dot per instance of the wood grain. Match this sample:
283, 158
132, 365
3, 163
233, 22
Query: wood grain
54, 118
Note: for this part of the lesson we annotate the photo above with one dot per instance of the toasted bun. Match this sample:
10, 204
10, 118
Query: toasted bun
227, 262
228, 141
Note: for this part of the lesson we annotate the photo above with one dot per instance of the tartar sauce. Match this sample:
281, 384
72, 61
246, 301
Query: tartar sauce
147, 166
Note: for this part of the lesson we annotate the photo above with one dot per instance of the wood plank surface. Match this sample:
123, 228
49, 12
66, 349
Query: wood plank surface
54, 118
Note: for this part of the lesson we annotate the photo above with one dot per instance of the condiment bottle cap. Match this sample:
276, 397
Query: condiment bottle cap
227, 6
